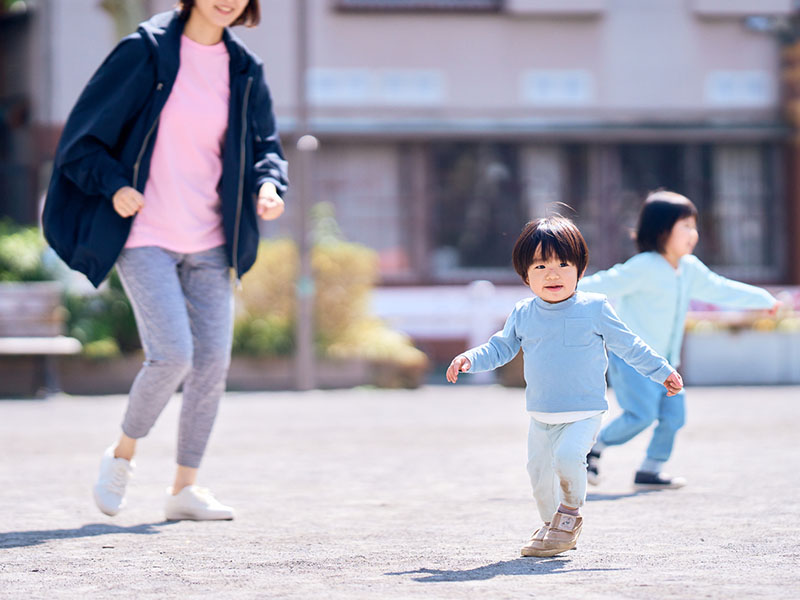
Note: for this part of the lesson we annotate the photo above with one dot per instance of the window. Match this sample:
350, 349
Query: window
443, 5
477, 209
734, 189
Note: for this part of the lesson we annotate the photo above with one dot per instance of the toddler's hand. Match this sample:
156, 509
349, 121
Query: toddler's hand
460, 364
127, 201
270, 205
775, 308
674, 384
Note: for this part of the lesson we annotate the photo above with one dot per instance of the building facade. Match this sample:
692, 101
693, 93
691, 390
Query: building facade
445, 125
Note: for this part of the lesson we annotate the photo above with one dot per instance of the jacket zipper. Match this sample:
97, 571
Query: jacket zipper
144, 144
241, 185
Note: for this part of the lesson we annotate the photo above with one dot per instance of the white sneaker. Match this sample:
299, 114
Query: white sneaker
196, 504
109, 491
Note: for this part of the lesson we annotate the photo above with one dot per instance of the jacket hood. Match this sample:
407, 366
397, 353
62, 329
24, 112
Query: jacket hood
162, 34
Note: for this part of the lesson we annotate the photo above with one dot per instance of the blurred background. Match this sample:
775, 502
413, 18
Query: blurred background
443, 126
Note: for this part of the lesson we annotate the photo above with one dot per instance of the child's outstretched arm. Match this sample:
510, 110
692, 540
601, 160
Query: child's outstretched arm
710, 287
630, 348
459, 364
500, 349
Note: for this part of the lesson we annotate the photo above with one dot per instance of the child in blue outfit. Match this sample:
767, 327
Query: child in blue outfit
563, 335
651, 293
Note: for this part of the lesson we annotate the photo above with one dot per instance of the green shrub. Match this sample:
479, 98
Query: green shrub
268, 287
101, 316
21, 250
373, 340
101, 349
266, 337
344, 276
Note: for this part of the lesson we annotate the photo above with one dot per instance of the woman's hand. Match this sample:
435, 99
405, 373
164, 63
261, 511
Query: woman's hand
270, 205
460, 364
673, 383
127, 201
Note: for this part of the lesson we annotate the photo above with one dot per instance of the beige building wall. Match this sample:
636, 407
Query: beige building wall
572, 89
618, 61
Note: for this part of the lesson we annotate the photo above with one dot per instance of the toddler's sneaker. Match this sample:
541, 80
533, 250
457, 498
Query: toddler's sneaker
196, 504
562, 535
534, 545
645, 480
593, 467
109, 491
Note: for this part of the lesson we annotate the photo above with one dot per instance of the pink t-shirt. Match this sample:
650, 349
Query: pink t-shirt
182, 210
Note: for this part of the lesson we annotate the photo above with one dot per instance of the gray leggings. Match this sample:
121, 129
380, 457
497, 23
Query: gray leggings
183, 305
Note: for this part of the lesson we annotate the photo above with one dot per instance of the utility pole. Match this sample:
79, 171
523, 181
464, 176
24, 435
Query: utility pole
304, 329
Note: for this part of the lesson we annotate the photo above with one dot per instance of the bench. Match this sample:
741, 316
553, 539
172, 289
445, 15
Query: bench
42, 350
31, 324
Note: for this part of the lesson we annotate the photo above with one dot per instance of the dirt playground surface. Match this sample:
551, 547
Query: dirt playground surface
397, 494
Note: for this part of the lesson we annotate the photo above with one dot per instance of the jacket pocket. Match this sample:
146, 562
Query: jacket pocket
578, 332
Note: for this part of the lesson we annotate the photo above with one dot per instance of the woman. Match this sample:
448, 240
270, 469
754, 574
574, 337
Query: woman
156, 171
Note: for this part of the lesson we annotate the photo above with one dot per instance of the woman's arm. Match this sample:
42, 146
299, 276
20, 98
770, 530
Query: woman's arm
269, 162
114, 94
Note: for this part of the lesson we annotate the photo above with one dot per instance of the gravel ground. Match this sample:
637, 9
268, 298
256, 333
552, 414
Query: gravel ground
397, 494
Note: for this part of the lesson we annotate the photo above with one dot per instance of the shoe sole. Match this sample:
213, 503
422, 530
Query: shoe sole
658, 486
545, 553
106, 511
196, 518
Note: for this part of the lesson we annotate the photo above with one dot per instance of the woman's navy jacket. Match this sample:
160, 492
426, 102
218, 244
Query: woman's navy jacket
108, 139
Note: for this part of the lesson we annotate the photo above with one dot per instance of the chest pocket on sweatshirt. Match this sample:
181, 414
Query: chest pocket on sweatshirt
578, 332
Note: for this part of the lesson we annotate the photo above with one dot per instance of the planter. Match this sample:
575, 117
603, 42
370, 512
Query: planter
741, 358
255, 374
22, 377
83, 376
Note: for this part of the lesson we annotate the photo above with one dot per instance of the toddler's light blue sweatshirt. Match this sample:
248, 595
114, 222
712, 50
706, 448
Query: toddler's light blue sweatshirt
652, 297
564, 346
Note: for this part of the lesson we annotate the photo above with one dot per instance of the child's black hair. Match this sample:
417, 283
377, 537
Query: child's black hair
557, 236
660, 211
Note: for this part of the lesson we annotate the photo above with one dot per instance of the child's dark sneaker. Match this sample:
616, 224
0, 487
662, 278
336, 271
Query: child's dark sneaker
593, 467
646, 480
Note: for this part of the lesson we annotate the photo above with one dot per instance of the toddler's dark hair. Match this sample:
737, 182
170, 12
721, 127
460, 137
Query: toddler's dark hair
660, 211
557, 236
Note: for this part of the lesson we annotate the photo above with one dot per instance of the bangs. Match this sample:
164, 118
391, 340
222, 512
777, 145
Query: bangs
549, 247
